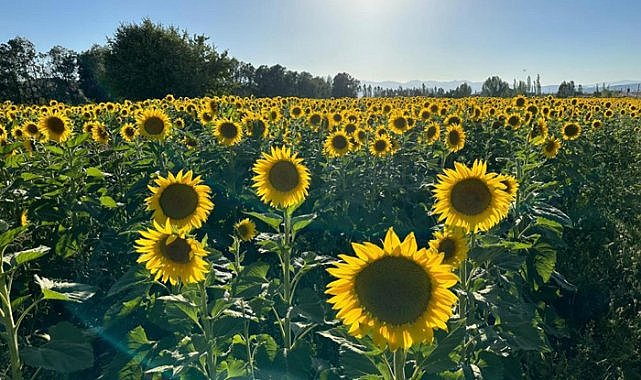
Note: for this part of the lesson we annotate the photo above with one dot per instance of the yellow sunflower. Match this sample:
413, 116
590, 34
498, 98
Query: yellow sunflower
454, 138
432, 132
128, 132
571, 131
154, 124
398, 123
55, 126
99, 133
470, 198
256, 126
228, 132
337, 144
551, 147
281, 178
181, 200
397, 294
452, 243
245, 229
171, 256
381, 146
31, 129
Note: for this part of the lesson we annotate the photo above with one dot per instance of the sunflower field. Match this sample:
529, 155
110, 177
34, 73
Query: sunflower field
290, 238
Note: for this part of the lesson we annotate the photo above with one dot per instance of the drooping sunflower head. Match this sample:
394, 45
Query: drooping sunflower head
571, 131
397, 294
452, 244
171, 256
551, 147
470, 198
55, 126
245, 229
181, 199
381, 146
432, 132
337, 144
539, 131
100, 133
228, 132
281, 179
454, 138
128, 132
153, 123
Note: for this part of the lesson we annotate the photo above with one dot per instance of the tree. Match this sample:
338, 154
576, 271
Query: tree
538, 85
344, 86
150, 61
91, 73
17, 61
495, 86
566, 89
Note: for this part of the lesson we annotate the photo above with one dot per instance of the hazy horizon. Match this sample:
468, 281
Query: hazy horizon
373, 40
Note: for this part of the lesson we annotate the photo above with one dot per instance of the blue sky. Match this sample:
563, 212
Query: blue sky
585, 41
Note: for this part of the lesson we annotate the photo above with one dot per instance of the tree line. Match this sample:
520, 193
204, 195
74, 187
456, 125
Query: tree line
149, 60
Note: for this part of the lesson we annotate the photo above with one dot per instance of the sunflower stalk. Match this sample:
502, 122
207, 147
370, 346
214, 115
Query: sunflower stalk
399, 364
287, 284
10, 326
207, 331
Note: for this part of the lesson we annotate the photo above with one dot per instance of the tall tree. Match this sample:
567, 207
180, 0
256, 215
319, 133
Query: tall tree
91, 73
344, 86
495, 86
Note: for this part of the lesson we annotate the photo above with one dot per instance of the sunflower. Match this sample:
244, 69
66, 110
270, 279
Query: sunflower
55, 126
245, 229
397, 294
171, 256
315, 119
571, 131
432, 132
510, 183
24, 218
470, 198
281, 178
551, 147
337, 144
128, 132
513, 122
180, 199
539, 131
31, 129
452, 243
381, 146
154, 123
99, 133
228, 132
398, 123
454, 138
256, 126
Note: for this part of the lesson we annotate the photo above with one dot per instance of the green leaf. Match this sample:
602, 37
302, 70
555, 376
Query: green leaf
26, 176
9, 236
94, 172
55, 149
108, 202
544, 261
64, 291
233, 369
251, 279
137, 276
273, 220
22, 257
439, 359
68, 351
302, 221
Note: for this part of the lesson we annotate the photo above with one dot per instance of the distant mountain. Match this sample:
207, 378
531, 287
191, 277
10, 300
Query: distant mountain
621, 85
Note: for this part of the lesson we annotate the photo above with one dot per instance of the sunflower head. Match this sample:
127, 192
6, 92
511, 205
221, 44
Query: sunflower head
432, 132
128, 132
55, 126
281, 179
99, 133
171, 256
228, 132
181, 200
381, 146
470, 198
245, 229
571, 131
154, 124
452, 244
551, 147
454, 138
510, 183
337, 144
397, 294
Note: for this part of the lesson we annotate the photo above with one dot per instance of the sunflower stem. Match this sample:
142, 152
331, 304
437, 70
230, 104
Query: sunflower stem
10, 328
207, 330
399, 364
287, 285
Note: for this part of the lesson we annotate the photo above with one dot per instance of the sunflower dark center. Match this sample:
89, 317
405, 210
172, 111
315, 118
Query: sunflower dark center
448, 247
550, 146
471, 196
400, 123
178, 201
283, 176
228, 130
55, 125
513, 121
178, 251
154, 125
130, 132
453, 137
258, 128
339, 142
571, 130
396, 290
243, 231
380, 145
350, 128
315, 119
431, 132
32, 128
